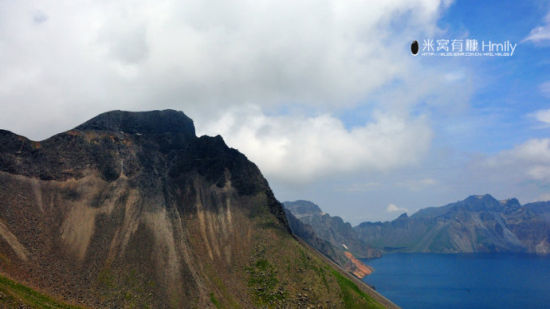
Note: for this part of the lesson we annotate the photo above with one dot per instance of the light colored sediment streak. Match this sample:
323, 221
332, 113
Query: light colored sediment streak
78, 228
17, 247
165, 244
37, 191
202, 223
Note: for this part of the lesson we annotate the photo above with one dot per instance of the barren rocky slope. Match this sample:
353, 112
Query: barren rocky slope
133, 210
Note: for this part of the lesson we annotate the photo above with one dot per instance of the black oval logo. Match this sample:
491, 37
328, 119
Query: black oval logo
414, 47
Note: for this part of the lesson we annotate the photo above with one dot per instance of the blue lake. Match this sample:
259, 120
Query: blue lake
463, 280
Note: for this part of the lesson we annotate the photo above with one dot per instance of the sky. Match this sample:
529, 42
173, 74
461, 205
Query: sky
324, 96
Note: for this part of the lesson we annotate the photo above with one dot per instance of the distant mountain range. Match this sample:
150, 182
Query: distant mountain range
479, 223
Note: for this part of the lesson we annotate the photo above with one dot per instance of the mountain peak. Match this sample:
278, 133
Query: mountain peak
150, 122
303, 208
480, 197
403, 216
138, 201
480, 203
511, 202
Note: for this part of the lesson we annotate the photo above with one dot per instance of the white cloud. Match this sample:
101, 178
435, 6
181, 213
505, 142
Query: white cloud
454, 76
394, 208
301, 149
542, 116
72, 60
530, 159
540, 33
231, 66
533, 150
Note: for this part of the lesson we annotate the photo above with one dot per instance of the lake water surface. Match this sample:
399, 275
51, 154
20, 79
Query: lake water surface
463, 280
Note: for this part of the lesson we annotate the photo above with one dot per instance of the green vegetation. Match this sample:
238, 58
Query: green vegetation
214, 301
291, 276
130, 287
264, 283
352, 296
226, 299
322, 274
15, 295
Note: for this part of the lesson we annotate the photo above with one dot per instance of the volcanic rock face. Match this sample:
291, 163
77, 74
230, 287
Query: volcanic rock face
132, 209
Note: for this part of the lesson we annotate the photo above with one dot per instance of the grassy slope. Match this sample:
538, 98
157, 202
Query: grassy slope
282, 272
352, 289
271, 286
353, 297
304, 280
15, 295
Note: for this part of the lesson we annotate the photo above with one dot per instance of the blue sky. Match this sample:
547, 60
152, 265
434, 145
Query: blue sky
510, 86
324, 96
507, 88
496, 117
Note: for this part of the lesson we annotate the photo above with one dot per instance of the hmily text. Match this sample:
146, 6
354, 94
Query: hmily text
468, 47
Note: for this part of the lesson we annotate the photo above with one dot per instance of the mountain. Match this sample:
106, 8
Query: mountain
306, 233
336, 254
338, 233
477, 224
132, 209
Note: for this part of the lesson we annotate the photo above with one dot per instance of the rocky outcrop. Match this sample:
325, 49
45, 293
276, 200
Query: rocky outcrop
360, 270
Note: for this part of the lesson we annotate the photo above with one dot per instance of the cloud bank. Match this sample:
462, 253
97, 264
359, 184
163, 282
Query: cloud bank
530, 159
232, 66
540, 33
393, 208
301, 149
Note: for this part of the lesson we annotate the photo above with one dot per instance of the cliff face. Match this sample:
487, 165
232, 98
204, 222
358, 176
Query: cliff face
332, 229
306, 233
337, 254
132, 209
476, 224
